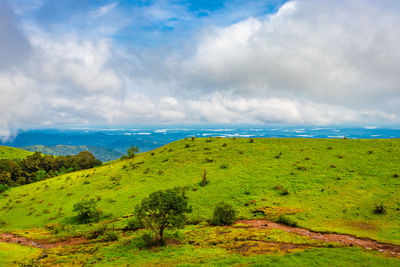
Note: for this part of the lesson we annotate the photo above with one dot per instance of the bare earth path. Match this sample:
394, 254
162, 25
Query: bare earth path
393, 250
12, 238
348, 240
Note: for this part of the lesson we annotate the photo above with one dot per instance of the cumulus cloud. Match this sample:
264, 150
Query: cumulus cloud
311, 62
341, 52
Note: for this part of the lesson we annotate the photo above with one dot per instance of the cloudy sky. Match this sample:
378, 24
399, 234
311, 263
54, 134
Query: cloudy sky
302, 62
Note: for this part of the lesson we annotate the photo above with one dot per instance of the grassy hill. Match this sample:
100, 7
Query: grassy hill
13, 153
330, 185
103, 154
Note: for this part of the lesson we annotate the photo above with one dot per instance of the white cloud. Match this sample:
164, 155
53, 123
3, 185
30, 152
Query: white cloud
313, 62
103, 10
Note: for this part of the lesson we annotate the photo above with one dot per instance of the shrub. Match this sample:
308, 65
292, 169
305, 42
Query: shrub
224, 166
224, 145
204, 180
110, 236
133, 225
394, 176
3, 187
97, 231
286, 221
146, 241
224, 214
193, 138
277, 156
87, 210
380, 209
251, 140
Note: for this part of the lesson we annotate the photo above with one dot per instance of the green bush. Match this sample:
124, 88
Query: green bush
97, 231
286, 221
204, 181
380, 209
224, 214
87, 210
133, 225
110, 236
146, 241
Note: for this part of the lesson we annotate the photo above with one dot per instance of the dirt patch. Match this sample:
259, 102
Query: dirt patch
12, 238
348, 240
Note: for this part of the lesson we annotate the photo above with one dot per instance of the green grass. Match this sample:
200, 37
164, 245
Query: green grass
11, 253
333, 183
13, 153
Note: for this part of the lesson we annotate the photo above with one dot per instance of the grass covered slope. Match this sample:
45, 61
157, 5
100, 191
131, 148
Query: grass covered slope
7, 152
322, 184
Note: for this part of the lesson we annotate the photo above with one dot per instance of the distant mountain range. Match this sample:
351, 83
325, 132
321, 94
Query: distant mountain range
103, 154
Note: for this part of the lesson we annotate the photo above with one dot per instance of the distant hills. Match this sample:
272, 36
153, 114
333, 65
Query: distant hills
103, 154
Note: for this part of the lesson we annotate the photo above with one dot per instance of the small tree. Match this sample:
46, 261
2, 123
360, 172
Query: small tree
162, 209
204, 180
87, 210
131, 152
224, 214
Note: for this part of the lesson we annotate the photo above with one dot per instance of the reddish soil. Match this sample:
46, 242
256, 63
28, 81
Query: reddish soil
348, 240
12, 238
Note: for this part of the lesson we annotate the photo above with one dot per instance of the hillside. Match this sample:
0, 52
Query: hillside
330, 185
13, 153
103, 154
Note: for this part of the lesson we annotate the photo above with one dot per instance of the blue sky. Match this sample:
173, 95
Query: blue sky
300, 62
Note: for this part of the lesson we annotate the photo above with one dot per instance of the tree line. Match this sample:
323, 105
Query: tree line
38, 167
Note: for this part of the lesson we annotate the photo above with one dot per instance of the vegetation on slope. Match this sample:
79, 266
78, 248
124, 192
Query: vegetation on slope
37, 167
332, 185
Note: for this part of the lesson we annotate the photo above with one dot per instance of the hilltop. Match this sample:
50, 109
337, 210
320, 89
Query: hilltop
330, 185
13, 153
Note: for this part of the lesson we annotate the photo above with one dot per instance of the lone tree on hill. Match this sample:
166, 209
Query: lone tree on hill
131, 152
163, 209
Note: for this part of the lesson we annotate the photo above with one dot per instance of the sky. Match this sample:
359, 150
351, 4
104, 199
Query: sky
108, 62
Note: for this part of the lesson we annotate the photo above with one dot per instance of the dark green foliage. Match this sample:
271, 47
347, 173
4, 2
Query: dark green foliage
224, 145
97, 231
224, 166
87, 210
278, 156
283, 191
204, 180
146, 241
380, 209
207, 160
163, 209
37, 167
131, 152
286, 221
133, 225
224, 214
110, 236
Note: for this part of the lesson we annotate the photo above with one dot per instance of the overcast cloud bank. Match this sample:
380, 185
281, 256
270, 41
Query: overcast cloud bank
312, 62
